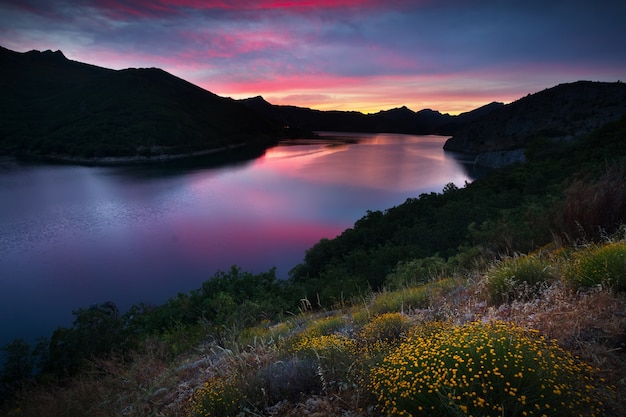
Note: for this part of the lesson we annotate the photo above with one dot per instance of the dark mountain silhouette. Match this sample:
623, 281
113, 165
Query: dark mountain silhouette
57, 108
54, 107
563, 112
398, 120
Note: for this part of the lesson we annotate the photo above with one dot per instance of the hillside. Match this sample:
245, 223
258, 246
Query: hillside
57, 108
561, 113
398, 120
508, 293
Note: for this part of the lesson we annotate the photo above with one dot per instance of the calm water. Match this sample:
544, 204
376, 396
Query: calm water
72, 236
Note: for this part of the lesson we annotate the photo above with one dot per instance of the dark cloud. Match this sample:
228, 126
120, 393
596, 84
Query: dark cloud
313, 47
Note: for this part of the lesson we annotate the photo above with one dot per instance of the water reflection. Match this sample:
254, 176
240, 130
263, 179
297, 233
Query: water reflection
236, 157
381, 161
72, 236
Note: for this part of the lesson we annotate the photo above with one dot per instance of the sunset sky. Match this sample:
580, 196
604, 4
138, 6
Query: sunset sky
364, 55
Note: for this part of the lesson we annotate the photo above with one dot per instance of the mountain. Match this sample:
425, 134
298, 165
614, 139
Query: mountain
397, 120
55, 107
563, 112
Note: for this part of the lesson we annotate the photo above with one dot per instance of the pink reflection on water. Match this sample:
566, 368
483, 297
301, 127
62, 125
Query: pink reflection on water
247, 242
384, 162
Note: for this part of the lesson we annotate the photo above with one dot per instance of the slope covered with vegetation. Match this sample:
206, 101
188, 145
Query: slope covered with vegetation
504, 297
565, 111
57, 108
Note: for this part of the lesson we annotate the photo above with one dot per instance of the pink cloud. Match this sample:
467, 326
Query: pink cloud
126, 10
274, 4
347, 55
123, 10
228, 44
286, 83
302, 99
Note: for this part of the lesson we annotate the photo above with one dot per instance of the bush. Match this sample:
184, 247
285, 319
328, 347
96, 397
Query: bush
326, 325
264, 332
483, 369
519, 277
592, 208
603, 265
218, 397
409, 298
416, 271
383, 332
281, 380
334, 354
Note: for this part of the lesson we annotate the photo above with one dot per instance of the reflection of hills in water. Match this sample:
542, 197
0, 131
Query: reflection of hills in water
298, 148
238, 157
468, 162
140, 232
375, 161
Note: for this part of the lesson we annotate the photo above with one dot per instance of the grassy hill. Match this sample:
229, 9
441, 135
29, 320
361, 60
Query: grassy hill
57, 108
504, 297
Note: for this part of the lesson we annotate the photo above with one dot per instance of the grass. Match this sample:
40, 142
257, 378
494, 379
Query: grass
518, 277
393, 355
445, 347
599, 266
407, 298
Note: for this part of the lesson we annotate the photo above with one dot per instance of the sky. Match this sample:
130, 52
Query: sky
363, 55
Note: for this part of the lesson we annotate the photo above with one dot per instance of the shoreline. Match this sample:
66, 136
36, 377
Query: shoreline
131, 160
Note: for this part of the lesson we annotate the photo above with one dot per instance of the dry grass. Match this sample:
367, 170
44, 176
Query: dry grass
277, 380
145, 384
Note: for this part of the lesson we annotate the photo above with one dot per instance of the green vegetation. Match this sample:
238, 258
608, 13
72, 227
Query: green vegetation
483, 369
575, 192
451, 356
519, 277
515, 282
599, 266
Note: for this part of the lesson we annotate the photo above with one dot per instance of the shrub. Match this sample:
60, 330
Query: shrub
218, 397
416, 271
282, 380
519, 277
384, 331
326, 325
314, 329
593, 208
264, 332
407, 299
603, 265
483, 369
334, 354
322, 344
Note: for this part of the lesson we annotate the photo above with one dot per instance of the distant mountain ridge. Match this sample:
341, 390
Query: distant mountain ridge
54, 107
563, 112
397, 120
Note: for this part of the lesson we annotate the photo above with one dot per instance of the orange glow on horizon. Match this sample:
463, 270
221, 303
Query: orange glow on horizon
347, 102
442, 93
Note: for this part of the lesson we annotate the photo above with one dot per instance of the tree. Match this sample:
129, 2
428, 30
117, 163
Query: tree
18, 366
95, 332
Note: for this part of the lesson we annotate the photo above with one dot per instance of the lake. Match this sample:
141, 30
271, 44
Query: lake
72, 236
